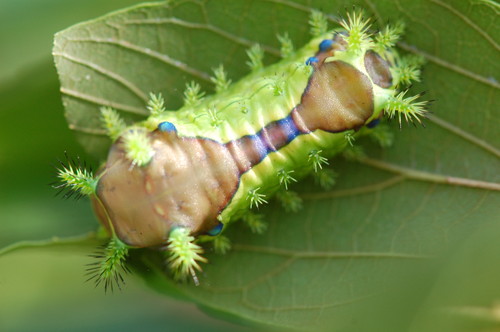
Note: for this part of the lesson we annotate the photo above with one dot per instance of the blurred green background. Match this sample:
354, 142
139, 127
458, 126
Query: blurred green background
44, 289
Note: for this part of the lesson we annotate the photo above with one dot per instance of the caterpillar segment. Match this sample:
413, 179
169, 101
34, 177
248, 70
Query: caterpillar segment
185, 174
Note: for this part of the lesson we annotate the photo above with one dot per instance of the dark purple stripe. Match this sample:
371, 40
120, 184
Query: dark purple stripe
269, 139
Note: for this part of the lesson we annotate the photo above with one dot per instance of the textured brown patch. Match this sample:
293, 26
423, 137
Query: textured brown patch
274, 136
187, 183
378, 69
298, 121
245, 152
338, 97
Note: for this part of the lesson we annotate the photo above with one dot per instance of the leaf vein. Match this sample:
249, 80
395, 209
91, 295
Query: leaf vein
150, 53
104, 102
430, 177
216, 30
306, 306
406, 219
468, 22
445, 64
355, 191
465, 135
296, 254
112, 75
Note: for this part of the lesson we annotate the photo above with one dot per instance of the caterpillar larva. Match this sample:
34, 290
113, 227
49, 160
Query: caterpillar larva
180, 175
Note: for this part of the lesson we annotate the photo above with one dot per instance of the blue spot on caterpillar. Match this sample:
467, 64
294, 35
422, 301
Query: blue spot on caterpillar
325, 45
216, 230
312, 60
373, 123
167, 127
180, 175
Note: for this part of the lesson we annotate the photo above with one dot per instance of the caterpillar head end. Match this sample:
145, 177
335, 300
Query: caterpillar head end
386, 38
358, 36
385, 67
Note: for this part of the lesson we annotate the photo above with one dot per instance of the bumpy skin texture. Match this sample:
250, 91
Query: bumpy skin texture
238, 140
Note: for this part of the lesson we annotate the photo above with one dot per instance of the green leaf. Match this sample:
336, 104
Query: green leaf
466, 292
27, 28
47, 284
367, 244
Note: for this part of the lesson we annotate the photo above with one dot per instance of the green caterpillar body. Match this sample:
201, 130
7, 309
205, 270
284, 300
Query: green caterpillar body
202, 168
186, 173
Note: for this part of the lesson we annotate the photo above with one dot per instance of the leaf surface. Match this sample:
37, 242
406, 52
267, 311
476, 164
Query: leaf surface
332, 263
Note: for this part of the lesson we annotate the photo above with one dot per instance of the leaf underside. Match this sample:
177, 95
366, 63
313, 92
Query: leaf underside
329, 264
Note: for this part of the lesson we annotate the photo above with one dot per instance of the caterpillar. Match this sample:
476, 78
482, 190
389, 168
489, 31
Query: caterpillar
180, 178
